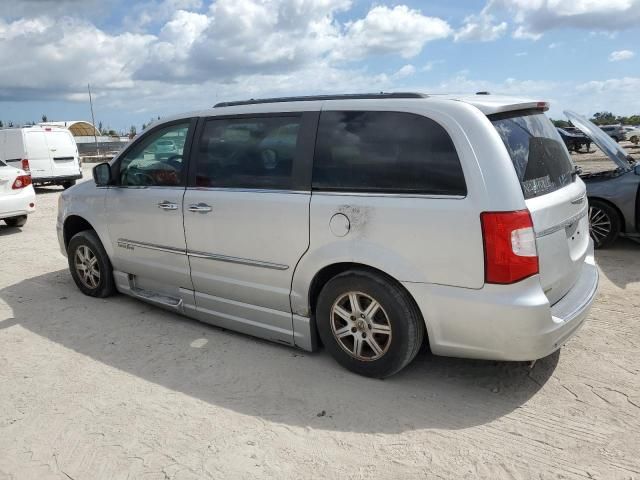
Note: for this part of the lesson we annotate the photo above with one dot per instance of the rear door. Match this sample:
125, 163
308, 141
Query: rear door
63, 152
40, 162
246, 219
554, 194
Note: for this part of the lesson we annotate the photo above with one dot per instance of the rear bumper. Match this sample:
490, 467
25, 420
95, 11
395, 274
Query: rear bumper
504, 322
60, 179
18, 204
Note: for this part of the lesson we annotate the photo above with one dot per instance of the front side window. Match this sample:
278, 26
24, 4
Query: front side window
256, 153
156, 160
388, 152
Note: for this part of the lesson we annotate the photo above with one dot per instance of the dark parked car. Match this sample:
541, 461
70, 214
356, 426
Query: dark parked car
574, 140
617, 132
614, 195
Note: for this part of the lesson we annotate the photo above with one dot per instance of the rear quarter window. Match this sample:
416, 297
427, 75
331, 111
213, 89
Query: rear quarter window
386, 152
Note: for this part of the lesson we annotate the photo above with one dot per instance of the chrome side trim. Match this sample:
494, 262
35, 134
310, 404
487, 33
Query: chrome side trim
241, 261
124, 243
248, 190
392, 195
569, 221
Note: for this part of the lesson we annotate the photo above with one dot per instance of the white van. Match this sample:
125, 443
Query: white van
50, 153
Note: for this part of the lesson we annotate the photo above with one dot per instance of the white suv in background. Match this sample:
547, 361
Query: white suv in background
368, 222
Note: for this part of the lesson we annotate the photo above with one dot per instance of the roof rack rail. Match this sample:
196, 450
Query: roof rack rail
311, 98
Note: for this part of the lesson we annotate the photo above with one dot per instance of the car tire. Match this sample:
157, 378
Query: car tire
68, 184
635, 140
375, 344
16, 221
616, 139
93, 278
604, 224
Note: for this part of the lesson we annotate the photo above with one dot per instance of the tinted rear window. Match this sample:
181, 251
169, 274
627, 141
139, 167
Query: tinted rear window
388, 152
537, 151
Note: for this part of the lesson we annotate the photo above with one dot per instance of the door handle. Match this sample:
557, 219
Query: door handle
200, 208
167, 205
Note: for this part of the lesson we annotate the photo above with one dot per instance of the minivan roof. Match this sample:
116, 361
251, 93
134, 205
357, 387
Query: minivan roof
485, 102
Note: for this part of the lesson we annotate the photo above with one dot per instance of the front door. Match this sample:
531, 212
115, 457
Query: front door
247, 220
145, 216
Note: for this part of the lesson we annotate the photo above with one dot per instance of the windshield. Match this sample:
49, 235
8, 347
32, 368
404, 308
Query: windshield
604, 142
541, 160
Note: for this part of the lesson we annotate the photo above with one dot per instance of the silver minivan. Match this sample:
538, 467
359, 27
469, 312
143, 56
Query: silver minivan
370, 224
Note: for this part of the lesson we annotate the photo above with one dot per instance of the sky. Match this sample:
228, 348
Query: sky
153, 58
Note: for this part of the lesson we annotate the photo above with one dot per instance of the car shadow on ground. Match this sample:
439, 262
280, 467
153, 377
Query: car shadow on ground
6, 230
620, 263
48, 189
263, 379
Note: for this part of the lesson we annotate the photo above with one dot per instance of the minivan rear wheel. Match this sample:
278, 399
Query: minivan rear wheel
604, 224
89, 265
369, 324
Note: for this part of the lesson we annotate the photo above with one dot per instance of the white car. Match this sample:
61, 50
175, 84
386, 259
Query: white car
51, 154
633, 134
17, 196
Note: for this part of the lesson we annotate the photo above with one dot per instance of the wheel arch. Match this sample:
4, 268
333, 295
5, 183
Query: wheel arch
328, 272
74, 224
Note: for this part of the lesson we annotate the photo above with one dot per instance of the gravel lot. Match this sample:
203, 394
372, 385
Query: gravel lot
110, 389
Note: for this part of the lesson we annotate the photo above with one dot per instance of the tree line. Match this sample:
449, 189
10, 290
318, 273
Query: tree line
604, 118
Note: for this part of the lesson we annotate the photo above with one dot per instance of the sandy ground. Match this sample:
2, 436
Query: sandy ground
116, 389
596, 161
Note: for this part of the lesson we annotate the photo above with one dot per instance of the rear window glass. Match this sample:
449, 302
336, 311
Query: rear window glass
537, 151
388, 152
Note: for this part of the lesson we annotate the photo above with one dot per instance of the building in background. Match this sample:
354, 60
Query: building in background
87, 136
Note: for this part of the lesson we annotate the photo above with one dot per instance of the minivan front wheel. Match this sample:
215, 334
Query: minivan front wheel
89, 265
368, 324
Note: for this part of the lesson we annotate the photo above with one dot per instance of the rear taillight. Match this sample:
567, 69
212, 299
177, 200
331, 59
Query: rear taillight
510, 253
21, 181
24, 164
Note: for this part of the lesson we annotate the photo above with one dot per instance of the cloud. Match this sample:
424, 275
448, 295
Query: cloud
226, 47
398, 30
535, 17
521, 33
72, 52
480, 28
404, 72
620, 55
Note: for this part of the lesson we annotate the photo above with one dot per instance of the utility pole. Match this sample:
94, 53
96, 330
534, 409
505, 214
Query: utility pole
93, 121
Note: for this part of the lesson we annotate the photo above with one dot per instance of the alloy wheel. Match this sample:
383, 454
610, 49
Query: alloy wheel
87, 266
599, 225
361, 326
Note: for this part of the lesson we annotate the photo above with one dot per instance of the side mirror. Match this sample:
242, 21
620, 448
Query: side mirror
637, 169
102, 174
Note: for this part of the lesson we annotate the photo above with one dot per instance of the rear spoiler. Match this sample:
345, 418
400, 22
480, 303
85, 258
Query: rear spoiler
490, 105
